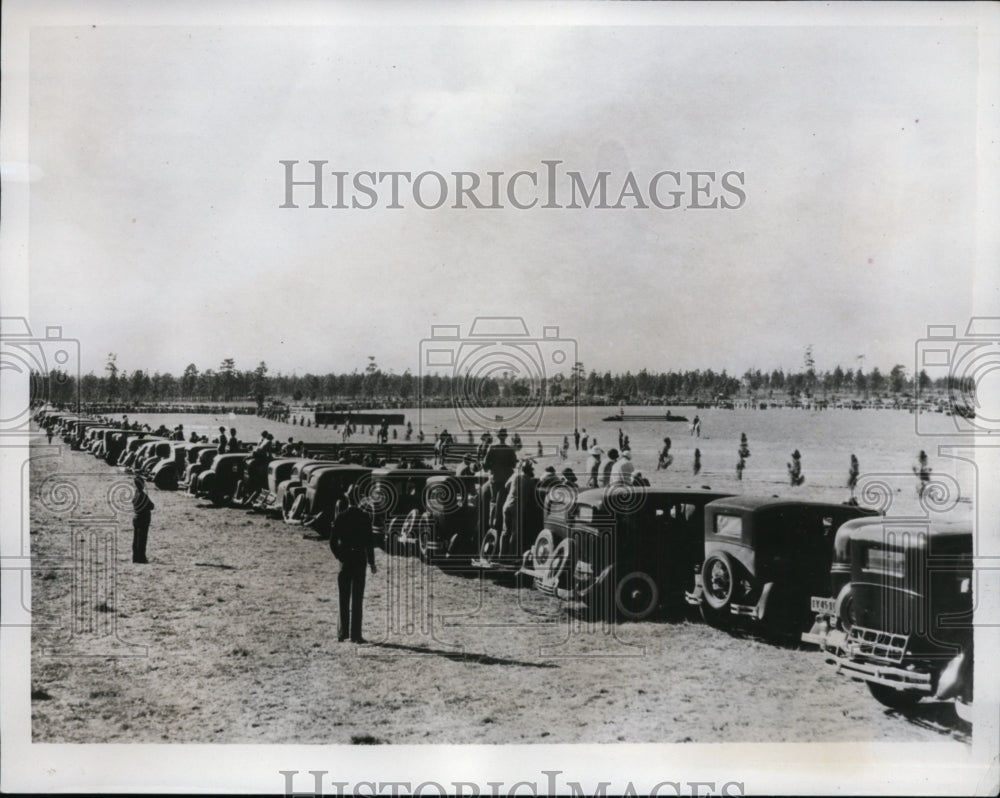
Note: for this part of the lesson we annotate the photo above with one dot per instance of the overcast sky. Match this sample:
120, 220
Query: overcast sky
156, 231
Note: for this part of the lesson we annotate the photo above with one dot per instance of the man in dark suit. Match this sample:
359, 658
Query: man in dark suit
142, 508
500, 462
352, 544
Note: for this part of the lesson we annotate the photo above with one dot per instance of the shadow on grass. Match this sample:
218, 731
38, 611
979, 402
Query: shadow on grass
937, 716
461, 656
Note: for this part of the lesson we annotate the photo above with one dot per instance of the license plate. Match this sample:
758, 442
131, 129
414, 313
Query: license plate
827, 606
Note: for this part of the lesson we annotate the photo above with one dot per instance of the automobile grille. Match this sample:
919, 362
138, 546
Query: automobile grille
884, 646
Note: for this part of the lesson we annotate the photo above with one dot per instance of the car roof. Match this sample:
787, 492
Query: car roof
291, 460
876, 531
750, 503
596, 496
413, 472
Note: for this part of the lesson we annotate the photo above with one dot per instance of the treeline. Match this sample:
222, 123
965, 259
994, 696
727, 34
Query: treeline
373, 386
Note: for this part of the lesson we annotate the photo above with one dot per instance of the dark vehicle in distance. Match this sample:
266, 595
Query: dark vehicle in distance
295, 486
835, 609
199, 459
911, 632
288, 488
133, 443
633, 552
451, 526
765, 558
324, 487
562, 505
166, 473
218, 482
395, 497
263, 478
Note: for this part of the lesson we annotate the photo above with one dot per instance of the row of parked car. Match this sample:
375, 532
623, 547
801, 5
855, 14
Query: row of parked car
888, 601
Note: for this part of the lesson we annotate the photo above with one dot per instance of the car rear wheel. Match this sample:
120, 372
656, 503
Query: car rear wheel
542, 551
718, 582
166, 479
845, 608
636, 596
425, 534
561, 563
392, 530
893, 698
491, 544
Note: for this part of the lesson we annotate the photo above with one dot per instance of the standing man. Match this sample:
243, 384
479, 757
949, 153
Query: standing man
605, 469
351, 544
142, 508
576, 439
594, 467
621, 472
500, 462
222, 440
923, 472
795, 475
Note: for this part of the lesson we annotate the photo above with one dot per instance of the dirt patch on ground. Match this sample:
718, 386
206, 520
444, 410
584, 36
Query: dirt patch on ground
229, 635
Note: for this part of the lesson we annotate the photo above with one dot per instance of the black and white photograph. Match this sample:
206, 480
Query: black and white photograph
500, 399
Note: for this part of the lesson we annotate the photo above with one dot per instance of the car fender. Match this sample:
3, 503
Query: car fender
761, 609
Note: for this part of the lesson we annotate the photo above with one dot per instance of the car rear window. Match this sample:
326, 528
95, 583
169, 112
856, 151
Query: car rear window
729, 526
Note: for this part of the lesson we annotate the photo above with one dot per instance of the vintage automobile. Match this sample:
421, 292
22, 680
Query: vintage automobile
835, 608
323, 488
449, 530
561, 505
114, 442
76, 433
295, 485
218, 483
910, 634
395, 497
261, 479
630, 550
93, 439
165, 473
156, 453
133, 441
192, 451
142, 454
765, 558
199, 458
252, 481
146, 454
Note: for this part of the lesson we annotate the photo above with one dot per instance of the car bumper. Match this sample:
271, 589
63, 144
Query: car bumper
888, 675
827, 638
